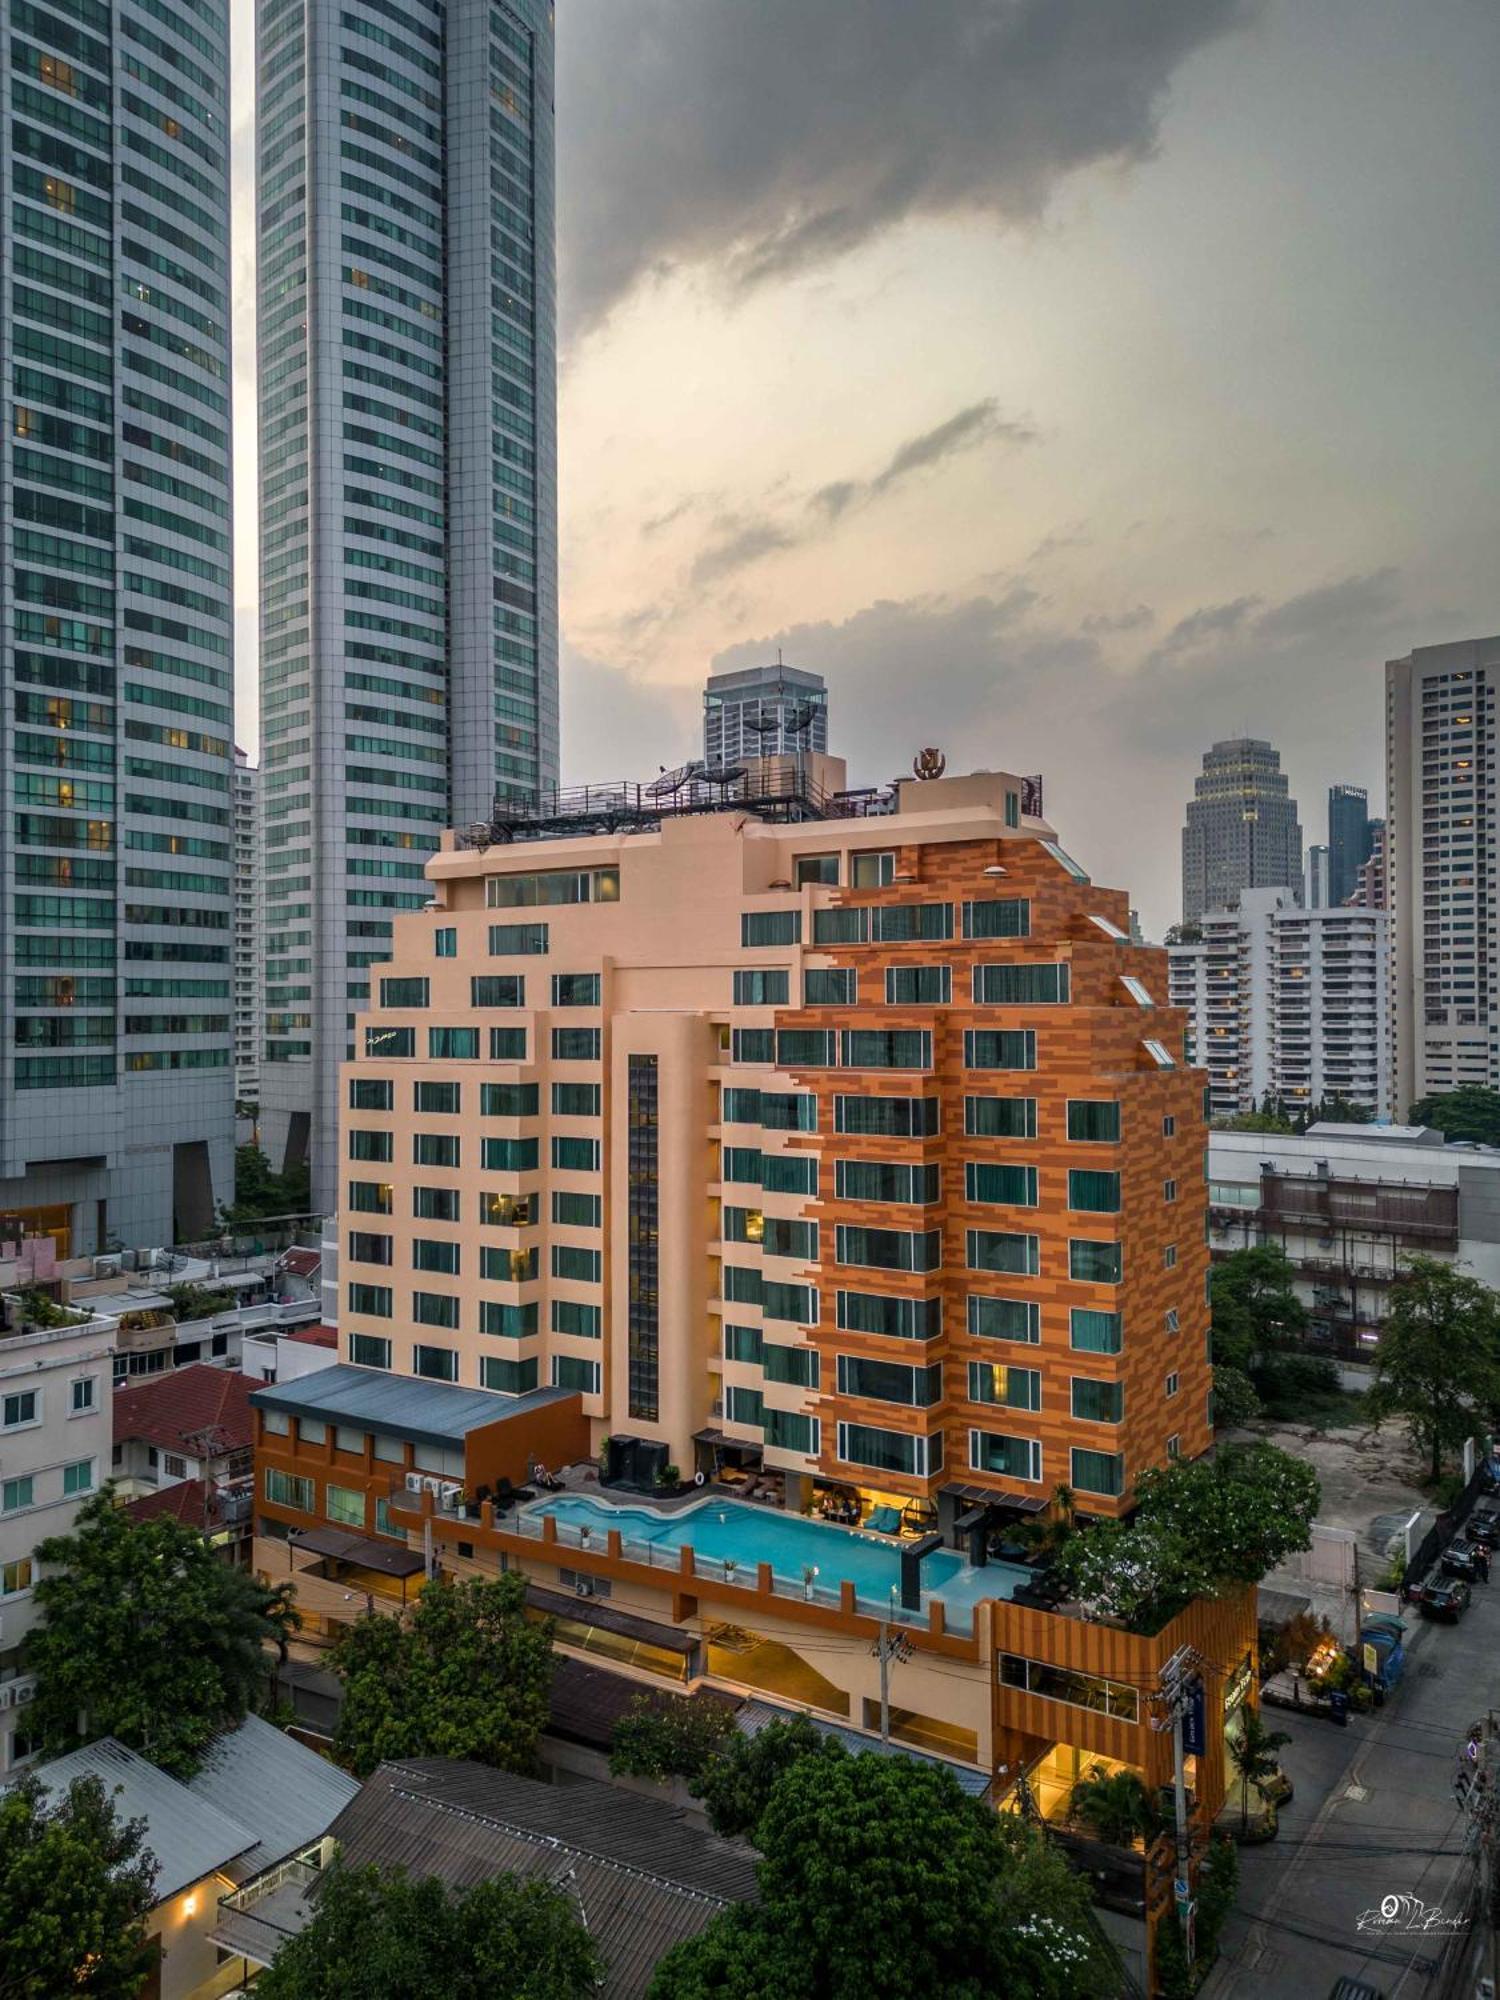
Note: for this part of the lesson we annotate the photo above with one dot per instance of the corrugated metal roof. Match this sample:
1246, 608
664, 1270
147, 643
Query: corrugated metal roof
404, 1406
755, 1715
189, 1836
643, 1876
286, 1794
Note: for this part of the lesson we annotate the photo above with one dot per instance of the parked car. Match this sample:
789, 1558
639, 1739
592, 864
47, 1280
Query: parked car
1484, 1527
1445, 1598
1461, 1559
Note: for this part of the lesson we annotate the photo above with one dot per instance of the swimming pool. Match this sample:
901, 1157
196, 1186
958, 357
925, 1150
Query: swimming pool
730, 1531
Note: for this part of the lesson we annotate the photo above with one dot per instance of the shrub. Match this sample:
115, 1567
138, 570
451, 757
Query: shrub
673, 1738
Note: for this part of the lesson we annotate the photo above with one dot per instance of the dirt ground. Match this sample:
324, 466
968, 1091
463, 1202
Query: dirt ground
1370, 1475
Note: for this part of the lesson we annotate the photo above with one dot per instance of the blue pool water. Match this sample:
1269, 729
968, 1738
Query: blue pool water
792, 1544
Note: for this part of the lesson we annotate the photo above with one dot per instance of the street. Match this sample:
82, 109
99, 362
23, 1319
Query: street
1373, 1817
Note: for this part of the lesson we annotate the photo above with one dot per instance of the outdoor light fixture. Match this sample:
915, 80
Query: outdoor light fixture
995, 869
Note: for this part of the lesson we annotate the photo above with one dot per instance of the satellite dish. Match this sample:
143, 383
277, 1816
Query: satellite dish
672, 781
723, 774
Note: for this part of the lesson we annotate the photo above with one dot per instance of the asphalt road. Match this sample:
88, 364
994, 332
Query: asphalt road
1373, 1816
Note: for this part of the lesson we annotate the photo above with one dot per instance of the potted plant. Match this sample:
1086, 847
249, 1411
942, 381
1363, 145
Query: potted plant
668, 1479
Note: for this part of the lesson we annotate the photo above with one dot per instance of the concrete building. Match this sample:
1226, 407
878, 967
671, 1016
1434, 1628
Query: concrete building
1349, 836
763, 712
1370, 891
1288, 1002
116, 645
1241, 831
1349, 1204
408, 486
192, 1425
247, 930
1441, 804
55, 1407
1315, 880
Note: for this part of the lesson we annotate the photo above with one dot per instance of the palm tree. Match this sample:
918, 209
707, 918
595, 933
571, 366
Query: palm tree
1253, 1754
1116, 1807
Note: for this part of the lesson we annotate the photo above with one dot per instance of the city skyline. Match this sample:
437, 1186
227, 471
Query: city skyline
1136, 601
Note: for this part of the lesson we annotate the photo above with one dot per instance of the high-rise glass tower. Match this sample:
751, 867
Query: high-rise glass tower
116, 621
766, 711
1350, 833
1241, 831
408, 532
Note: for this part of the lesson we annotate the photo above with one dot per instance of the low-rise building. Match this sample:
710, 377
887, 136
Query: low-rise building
1350, 1204
191, 1425
55, 1406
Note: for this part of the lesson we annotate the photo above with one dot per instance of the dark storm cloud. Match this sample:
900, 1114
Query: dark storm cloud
976, 425
738, 543
767, 138
1207, 626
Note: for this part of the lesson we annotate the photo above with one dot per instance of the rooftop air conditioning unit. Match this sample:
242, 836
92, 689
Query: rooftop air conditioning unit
413, 1482
432, 1486
107, 1267
584, 1587
449, 1491
25, 1691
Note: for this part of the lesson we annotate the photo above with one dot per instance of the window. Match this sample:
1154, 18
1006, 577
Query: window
434, 1309
1000, 1117
918, 985
1168, 1127
576, 1156
789, 1173
344, 1504
370, 1146
430, 1204
369, 1301
576, 1210
1094, 1121
891, 1314
887, 1048
1098, 1472
578, 1265
82, 1394
1095, 1263
430, 1255
588, 885
435, 1149
889, 1249
438, 1364
15, 1577
992, 1181
1160, 1054
1021, 985
998, 1382
1005, 1319
1174, 1442
508, 1156
828, 985
1172, 1384
453, 1044
1169, 1256
753, 1045
288, 1489
1095, 1193
1098, 1402
443, 1098
911, 923
822, 868
572, 1316
841, 927
1091, 1332
575, 1044
575, 989
445, 942
22, 1406
517, 940
762, 989
403, 992
1005, 1048
1171, 1320
502, 1322
797, 1304
1000, 917
806, 1048
575, 1100
365, 1247
789, 1430
890, 1451
782, 1236
497, 989
886, 1180
508, 1100
887, 1117
890, 1381
743, 1343
797, 1366
1003, 1250
371, 1093
79, 1477
510, 1378
571, 1371
16, 1493
788, 1111
509, 1044
1010, 1457
1169, 1190
366, 1351
759, 927
1066, 1684
872, 871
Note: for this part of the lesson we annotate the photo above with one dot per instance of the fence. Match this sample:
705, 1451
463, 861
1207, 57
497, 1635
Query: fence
1446, 1526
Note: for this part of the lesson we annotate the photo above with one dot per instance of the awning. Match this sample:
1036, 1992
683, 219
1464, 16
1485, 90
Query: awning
721, 1441
386, 1557
985, 1496
593, 1611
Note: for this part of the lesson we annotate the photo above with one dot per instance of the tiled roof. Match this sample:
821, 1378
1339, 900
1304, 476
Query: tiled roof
316, 1336
183, 1502
166, 1409
301, 1263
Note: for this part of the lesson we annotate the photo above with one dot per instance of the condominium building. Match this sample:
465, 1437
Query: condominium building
864, 1143
763, 712
1241, 830
408, 486
1370, 883
1290, 1003
247, 930
1315, 880
1441, 811
1350, 831
116, 643
55, 1404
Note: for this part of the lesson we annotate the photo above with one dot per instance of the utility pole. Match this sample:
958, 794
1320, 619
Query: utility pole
1174, 1699
888, 1647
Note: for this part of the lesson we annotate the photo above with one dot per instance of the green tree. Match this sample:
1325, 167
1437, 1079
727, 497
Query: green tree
669, 1737
1438, 1361
1236, 1400
75, 1893
387, 1936
148, 1635
1472, 1113
1252, 1753
1253, 1305
259, 1192
736, 1786
468, 1676
1116, 1807
879, 1879
191, 1302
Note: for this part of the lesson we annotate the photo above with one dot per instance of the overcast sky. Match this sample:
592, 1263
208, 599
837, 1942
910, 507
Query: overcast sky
1069, 381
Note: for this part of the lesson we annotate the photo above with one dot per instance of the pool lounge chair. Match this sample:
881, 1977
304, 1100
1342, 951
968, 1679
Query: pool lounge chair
884, 1521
